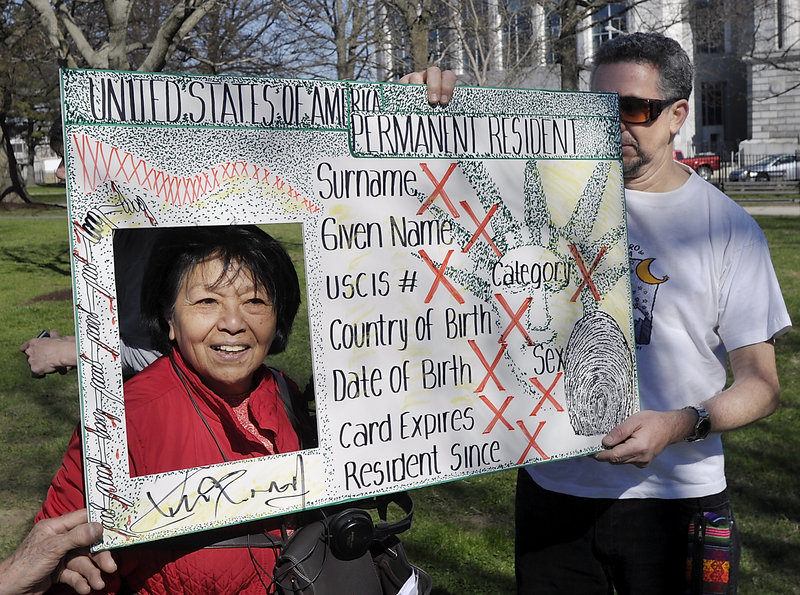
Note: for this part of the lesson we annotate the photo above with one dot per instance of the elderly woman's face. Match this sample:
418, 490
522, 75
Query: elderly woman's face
223, 330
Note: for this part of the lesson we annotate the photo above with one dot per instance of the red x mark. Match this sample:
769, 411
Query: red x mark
498, 413
439, 272
587, 275
438, 190
531, 441
515, 318
481, 228
547, 392
489, 368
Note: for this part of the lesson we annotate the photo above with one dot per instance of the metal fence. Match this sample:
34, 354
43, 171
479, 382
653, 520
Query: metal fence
777, 173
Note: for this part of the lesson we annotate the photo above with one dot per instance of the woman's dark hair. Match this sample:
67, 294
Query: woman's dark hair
243, 250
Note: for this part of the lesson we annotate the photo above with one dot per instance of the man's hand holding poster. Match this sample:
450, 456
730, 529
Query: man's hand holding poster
467, 276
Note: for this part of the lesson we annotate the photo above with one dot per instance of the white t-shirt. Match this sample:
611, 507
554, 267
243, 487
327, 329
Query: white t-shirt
703, 284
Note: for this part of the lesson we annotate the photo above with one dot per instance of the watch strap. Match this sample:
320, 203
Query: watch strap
702, 426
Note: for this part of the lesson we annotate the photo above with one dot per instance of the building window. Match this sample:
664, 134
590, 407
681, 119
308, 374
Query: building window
709, 26
518, 34
712, 98
609, 22
476, 30
553, 56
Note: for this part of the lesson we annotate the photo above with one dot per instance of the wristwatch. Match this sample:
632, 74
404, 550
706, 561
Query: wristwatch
702, 426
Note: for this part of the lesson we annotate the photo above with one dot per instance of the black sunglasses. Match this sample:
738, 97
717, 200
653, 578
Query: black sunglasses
635, 110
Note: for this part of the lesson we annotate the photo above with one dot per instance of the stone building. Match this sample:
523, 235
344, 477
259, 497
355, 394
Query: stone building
773, 79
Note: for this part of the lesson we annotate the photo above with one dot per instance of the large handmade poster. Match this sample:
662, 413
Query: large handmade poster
467, 274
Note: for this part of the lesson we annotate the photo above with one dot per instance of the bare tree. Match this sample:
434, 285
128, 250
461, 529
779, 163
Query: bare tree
330, 38
574, 18
418, 18
497, 42
28, 86
80, 41
478, 29
236, 36
207, 36
115, 34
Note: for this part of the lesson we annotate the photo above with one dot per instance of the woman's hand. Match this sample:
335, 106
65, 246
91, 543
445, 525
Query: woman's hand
440, 83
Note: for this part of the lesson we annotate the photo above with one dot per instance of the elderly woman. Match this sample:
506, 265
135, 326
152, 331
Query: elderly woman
217, 301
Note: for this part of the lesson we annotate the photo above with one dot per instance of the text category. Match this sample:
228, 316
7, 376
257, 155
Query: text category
532, 274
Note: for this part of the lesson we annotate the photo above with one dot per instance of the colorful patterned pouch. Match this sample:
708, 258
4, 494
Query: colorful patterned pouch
708, 562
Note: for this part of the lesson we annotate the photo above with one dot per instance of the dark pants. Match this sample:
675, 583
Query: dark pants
586, 546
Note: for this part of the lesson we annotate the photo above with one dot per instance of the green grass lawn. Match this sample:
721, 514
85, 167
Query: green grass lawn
762, 467
463, 531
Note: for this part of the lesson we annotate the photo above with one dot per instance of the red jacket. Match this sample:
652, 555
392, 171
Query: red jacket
166, 433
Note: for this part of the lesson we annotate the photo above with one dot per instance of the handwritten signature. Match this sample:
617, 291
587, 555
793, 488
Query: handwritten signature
181, 502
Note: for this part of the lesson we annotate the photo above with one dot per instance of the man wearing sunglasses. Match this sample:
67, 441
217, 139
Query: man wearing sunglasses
620, 521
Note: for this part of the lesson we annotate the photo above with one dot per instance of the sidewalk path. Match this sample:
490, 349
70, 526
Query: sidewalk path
787, 209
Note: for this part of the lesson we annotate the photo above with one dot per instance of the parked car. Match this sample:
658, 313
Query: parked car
704, 164
774, 167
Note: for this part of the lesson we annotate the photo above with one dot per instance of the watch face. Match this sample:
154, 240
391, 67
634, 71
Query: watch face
703, 426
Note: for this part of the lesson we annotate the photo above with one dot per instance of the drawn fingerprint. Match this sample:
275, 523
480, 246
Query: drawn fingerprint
598, 375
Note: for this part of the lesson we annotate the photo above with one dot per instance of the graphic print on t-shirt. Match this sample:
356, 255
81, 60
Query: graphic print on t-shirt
645, 286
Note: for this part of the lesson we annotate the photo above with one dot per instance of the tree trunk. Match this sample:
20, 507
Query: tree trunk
567, 46
417, 14
12, 187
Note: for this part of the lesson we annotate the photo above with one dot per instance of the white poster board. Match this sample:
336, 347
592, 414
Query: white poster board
467, 276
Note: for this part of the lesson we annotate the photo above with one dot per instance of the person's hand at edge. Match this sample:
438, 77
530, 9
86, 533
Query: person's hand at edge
441, 84
53, 353
56, 550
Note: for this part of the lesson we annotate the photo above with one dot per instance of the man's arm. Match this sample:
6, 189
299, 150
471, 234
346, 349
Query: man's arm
753, 395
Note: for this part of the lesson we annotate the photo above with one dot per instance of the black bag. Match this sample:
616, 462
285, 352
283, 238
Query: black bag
345, 554
307, 565
394, 568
